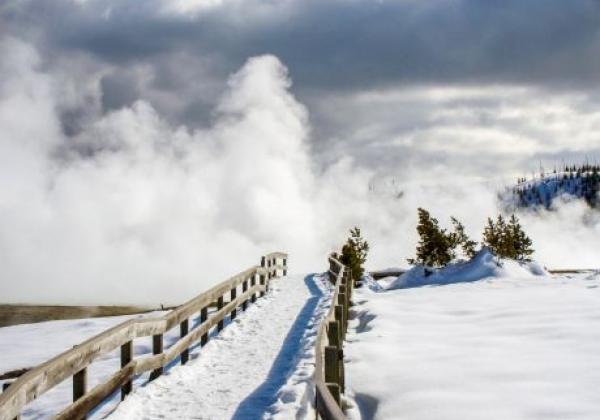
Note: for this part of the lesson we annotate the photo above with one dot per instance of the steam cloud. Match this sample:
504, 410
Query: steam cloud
134, 210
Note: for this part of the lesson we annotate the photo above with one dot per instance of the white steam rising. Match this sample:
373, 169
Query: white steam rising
566, 237
133, 210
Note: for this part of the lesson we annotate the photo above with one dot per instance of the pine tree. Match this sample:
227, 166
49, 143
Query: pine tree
507, 240
354, 253
437, 247
461, 239
492, 235
434, 247
520, 248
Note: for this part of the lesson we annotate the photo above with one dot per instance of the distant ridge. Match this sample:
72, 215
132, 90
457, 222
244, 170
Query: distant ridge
573, 182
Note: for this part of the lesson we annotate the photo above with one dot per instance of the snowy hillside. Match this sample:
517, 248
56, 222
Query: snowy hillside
582, 183
510, 342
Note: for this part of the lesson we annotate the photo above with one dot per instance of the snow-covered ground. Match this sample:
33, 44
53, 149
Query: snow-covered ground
259, 366
509, 343
28, 345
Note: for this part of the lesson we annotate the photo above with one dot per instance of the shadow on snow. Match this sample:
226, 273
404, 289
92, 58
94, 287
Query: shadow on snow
258, 402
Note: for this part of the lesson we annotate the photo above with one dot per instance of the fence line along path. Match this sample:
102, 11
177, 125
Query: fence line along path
329, 376
259, 367
228, 297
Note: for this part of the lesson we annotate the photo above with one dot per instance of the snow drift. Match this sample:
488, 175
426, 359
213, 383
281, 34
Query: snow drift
483, 265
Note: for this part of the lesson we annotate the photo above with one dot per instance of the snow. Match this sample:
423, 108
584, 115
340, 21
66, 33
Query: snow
260, 365
509, 342
484, 264
28, 345
480, 339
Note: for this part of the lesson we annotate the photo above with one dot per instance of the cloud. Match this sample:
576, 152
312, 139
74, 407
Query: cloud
565, 237
335, 45
152, 204
479, 58
494, 132
134, 210
141, 145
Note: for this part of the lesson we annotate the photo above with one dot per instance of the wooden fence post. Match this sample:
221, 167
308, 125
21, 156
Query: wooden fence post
183, 331
252, 284
221, 323
342, 376
79, 384
350, 284
203, 318
263, 264
334, 334
339, 316
268, 281
233, 296
5, 386
334, 337
332, 364
126, 357
157, 348
262, 283
344, 305
333, 372
335, 392
244, 290
273, 272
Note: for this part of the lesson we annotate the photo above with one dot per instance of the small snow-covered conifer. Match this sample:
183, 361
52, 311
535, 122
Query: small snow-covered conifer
354, 253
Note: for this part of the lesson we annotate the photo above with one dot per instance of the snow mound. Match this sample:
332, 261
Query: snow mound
370, 283
483, 265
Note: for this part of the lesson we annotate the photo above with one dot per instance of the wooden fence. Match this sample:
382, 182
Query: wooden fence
73, 363
329, 354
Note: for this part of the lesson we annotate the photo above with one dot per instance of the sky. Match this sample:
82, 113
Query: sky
164, 145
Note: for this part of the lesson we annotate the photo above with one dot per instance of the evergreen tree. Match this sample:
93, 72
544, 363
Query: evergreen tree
354, 253
460, 238
492, 234
437, 247
434, 247
520, 244
507, 240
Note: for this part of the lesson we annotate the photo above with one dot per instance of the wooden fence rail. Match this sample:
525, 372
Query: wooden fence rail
329, 355
74, 362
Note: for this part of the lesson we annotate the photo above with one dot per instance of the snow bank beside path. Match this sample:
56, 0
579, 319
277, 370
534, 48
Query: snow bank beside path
512, 346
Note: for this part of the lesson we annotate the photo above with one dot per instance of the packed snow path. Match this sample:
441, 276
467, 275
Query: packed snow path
259, 366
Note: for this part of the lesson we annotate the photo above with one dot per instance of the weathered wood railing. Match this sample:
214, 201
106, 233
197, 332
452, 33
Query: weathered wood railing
329, 355
74, 362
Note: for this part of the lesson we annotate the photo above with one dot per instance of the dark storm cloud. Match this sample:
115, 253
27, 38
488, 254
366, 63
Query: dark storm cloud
334, 49
344, 44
